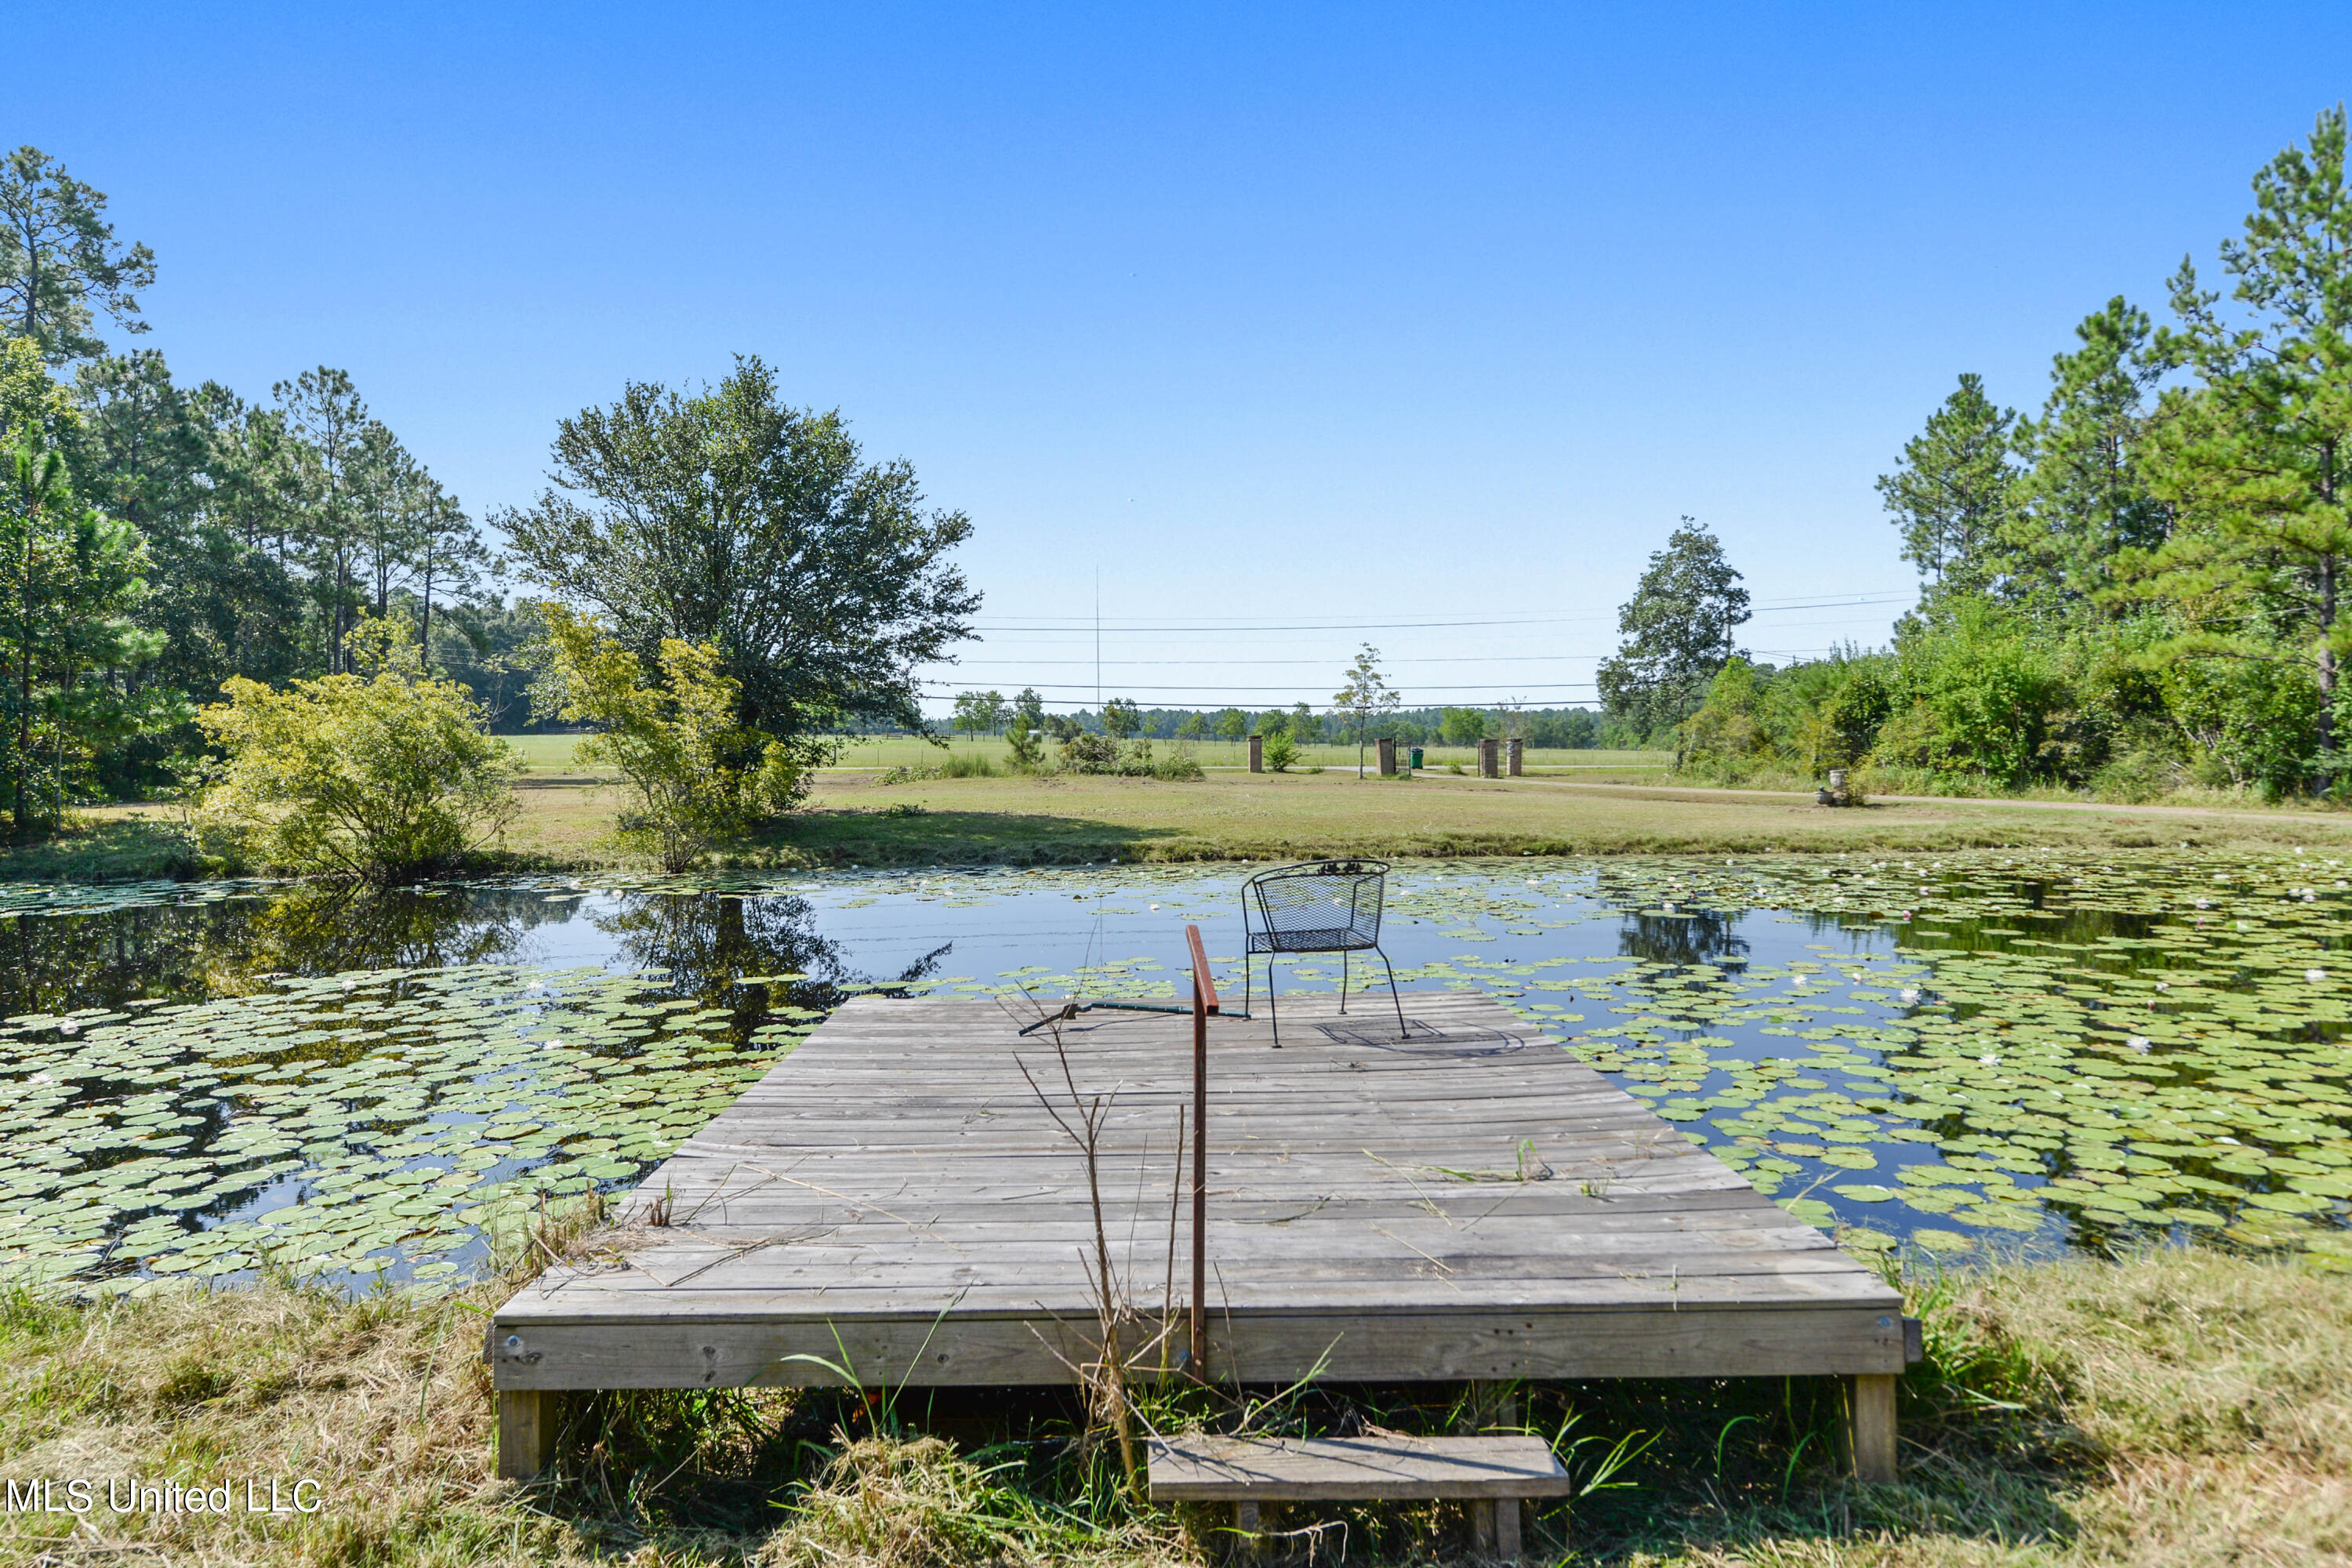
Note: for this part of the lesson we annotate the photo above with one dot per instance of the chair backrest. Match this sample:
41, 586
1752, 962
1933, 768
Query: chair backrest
1321, 906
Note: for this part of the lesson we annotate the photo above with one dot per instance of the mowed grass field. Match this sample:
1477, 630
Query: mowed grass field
855, 819
852, 817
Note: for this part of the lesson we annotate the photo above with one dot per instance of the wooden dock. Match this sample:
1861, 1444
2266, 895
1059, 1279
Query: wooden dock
1466, 1201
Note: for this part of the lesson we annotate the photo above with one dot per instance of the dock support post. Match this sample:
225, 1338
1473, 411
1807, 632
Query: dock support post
526, 1432
1494, 1521
1871, 1416
1506, 1528
1246, 1524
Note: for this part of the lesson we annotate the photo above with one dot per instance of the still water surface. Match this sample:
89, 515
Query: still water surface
1996, 1051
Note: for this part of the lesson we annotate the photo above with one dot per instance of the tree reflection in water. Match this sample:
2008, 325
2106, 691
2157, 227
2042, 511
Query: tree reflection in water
704, 945
225, 947
1698, 936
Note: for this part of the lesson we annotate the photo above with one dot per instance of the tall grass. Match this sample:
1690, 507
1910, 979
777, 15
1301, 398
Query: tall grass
2180, 1408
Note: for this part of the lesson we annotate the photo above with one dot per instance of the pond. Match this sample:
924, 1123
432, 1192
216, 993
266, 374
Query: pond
1986, 1051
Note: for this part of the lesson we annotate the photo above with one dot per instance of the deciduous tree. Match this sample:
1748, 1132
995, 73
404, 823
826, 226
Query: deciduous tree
1675, 632
731, 520
694, 774
1364, 695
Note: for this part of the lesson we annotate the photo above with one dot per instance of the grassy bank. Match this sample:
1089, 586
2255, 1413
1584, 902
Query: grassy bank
1019, 820
2177, 1408
857, 819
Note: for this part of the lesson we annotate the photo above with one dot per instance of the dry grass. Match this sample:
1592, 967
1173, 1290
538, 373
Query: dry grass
2177, 1409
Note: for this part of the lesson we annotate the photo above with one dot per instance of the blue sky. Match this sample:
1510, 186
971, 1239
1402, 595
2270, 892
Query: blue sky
1277, 317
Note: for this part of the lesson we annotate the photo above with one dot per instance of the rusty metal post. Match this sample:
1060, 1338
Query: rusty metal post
1204, 1002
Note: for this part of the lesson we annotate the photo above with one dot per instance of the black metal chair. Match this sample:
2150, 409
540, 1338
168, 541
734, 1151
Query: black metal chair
1317, 906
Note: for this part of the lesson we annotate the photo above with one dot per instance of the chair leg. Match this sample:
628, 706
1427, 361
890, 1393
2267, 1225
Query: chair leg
1273, 1014
1343, 980
1392, 991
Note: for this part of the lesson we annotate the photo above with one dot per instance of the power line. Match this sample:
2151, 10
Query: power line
1081, 687
1080, 624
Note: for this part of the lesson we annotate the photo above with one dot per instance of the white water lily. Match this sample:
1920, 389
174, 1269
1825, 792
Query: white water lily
1909, 996
2314, 975
1989, 1061
2164, 985
2138, 1043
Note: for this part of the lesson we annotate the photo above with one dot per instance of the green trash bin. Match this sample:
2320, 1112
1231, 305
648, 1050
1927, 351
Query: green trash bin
1415, 763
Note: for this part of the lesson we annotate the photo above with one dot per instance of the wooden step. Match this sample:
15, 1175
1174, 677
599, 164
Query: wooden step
1492, 1474
1353, 1470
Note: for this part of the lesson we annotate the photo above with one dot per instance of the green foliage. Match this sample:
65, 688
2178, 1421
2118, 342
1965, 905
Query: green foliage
2253, 457
1281, 751
388, 775
1021, 739
1461, 726
1676, 632
58, 257
2155, 599
695, 775
2087, 497
728, 520
1232, 724
1179, 766
69, 579
1120, 718
1956, 492
979, 712
1364, 696
1977, 697
1086, 752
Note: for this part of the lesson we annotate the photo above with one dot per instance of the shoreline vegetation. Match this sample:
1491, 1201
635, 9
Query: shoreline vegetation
2174, 1406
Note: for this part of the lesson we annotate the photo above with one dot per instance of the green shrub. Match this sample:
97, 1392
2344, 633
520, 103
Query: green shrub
1179, 766
1090, 753
389, 777
1028, 750
1281, 751
694, 774
967, 765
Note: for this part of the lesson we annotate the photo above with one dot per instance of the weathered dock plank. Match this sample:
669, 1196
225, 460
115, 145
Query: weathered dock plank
1466, 1201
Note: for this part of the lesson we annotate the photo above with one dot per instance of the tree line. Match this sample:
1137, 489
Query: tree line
1563, 728
2138, 589
724, 585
